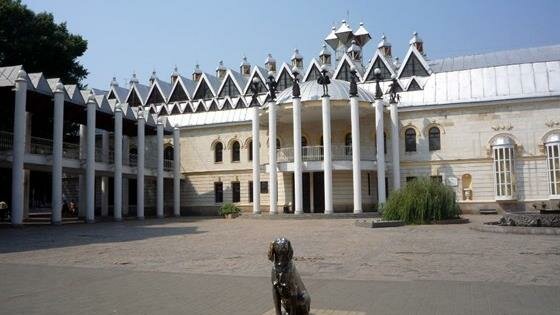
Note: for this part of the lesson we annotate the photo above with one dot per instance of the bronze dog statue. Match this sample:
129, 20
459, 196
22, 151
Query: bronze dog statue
288, 290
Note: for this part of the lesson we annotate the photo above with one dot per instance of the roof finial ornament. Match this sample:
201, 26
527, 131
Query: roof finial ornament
271, 82
324, 80
134, 79
377, 75
114, 82
153, 77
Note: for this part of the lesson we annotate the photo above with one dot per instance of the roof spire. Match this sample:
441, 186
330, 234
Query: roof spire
297, 59
245, 67
417, 42
221, 70
153, 77
134, 79
174, 75
325, 56
197, 73
384, 46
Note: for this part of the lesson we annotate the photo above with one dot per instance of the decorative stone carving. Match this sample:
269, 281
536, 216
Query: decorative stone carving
552, 123
502, 127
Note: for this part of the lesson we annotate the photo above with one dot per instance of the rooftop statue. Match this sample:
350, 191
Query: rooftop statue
288, 290
324, 80
295, 87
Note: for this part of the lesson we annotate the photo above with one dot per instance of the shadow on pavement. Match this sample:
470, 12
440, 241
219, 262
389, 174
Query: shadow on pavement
39, 237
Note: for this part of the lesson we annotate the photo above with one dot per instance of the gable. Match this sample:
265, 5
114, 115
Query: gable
188, 108
213, 107
385, 72
344, 72
314, 73
178, 94
229, 89
111, 95
414, 86
203, 91
262, 87
155, 96
413, 67
284, 81
200, 107
227, 105
133, 98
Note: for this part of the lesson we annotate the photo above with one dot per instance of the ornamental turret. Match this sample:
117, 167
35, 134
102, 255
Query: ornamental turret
270, 63
297, 59
417, 42
221, 70
325, 56
197, 73
384, 47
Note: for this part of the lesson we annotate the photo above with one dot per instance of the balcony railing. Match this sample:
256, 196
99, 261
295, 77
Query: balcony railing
6, 141
316, 153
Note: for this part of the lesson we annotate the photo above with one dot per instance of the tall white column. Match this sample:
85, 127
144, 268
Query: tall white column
356, 155
395, 146
327, 153
380, 152
104, 179
298, 183
125, 161
140, 165
58, 124
90, 161
18, 148
273, 175
82, 177
176, 172
159, 181
118, 154
256, 162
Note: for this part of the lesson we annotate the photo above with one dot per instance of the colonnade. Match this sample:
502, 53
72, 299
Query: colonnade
87, 146
379, 106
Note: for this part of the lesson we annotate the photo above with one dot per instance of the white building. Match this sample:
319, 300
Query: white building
487, 125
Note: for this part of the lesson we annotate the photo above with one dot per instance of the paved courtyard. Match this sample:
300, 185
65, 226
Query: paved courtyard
216, 266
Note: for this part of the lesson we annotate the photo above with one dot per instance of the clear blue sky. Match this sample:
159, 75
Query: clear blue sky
140, 35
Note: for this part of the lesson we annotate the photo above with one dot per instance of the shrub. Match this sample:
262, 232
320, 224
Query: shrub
421, 201
228, 208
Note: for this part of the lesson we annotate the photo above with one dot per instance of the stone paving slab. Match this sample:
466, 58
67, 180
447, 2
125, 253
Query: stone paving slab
38, 289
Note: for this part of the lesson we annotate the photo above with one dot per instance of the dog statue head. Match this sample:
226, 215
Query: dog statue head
280, 251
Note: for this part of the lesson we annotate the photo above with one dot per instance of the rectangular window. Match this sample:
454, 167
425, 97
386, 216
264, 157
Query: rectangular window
218, 192
410, 178
386, 187
235, 192
553, 159
250, 191
368, 185
503, 172
437, 178
264, 187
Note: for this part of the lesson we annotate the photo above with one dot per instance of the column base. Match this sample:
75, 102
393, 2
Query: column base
161, 217
358, 211
328, 212
177, 215
17, 225
88, 221
117, 219
140, 218
56, 222
298, 212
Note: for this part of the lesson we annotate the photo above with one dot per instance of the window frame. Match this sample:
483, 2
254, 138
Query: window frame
235, 152
235, 192
407, 144
503, 167
432, 137
553, 168
218, 192
218, 149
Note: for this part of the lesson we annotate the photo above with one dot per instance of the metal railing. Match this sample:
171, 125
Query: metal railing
316, 153
168, 165
6, 140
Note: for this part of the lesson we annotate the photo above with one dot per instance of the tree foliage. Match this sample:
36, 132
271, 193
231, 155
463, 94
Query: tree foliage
421, 201
39, 44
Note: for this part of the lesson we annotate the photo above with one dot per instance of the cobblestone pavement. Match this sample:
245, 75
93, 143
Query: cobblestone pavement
333, 256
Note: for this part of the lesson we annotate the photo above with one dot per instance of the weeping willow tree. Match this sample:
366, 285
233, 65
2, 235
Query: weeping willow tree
421, 201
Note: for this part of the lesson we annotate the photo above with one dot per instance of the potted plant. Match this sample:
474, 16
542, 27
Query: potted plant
229, 210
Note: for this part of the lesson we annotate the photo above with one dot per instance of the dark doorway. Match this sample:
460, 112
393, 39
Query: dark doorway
306, 183
318, 192
40, 189
132, 192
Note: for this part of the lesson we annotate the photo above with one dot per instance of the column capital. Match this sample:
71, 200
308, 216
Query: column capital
21, 76
59, 88
91, 99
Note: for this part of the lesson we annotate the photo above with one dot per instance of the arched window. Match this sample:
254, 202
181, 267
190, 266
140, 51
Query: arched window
552, 144
434, 141
410, 140
348, 144
235, 151
168, 153
218, 152
303, 141
503, 155
250, 149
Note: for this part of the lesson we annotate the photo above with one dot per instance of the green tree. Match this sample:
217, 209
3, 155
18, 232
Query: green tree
39, 44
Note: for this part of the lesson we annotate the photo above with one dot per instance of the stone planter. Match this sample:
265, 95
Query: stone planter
231, 215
